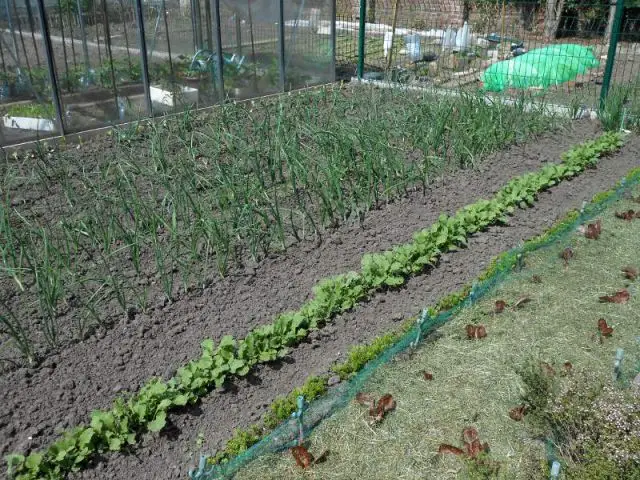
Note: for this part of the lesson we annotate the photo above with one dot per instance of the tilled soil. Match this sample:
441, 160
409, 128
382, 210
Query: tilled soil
88, 375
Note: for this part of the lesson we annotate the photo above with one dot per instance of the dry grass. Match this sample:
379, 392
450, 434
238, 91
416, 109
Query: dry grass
474, 381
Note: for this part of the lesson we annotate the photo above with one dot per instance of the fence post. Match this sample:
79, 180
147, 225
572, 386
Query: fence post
48, 51
281, 36
333, 40
611, 54
144, 60
238, 35
83, 32
361, 31
217, 37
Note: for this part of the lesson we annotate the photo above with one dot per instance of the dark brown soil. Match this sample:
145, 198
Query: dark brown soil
88, 375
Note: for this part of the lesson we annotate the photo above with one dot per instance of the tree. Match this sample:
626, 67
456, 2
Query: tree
552, 17
371, 12
612, 14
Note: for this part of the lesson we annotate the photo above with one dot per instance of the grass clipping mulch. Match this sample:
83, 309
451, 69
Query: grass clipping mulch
548, 311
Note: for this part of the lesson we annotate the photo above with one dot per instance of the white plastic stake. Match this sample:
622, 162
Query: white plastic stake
617, 365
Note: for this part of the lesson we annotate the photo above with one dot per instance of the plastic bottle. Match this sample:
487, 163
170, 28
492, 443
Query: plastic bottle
413, 47
122, 108
449, 38
462, 37
386, 45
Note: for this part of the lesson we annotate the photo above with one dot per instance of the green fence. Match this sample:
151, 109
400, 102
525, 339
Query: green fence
457, 44
289, 433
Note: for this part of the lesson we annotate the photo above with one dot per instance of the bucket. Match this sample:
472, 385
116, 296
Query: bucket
413, 47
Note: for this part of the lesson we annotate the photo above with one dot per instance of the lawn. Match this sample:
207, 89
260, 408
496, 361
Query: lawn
549, 320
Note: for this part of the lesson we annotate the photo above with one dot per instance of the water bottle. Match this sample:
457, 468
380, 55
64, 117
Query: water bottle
122, 108
462, 37
386, 46
449, 38
413, 47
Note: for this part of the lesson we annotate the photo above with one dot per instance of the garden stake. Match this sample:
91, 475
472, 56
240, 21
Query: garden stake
473, 292
617, 365
419, 322
201, 472
298, 414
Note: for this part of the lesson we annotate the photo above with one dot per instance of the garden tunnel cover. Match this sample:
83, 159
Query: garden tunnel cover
542, 67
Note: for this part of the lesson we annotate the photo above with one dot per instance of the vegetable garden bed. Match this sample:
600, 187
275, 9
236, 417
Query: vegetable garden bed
128, 349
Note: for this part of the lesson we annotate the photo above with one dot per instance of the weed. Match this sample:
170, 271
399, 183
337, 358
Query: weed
283, 407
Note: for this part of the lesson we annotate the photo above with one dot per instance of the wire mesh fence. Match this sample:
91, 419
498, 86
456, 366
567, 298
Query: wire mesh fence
556, 49
71, 65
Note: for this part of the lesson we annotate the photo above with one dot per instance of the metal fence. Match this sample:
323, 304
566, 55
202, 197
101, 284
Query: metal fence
72, 65
452, 43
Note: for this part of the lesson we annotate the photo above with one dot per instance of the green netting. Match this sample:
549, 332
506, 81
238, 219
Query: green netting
288, 433
542, 67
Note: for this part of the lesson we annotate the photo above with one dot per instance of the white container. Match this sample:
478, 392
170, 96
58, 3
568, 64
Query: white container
449, 38
413, 47
386, 45
184, 96
314, 17
462, 37
324, 28
30, 123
